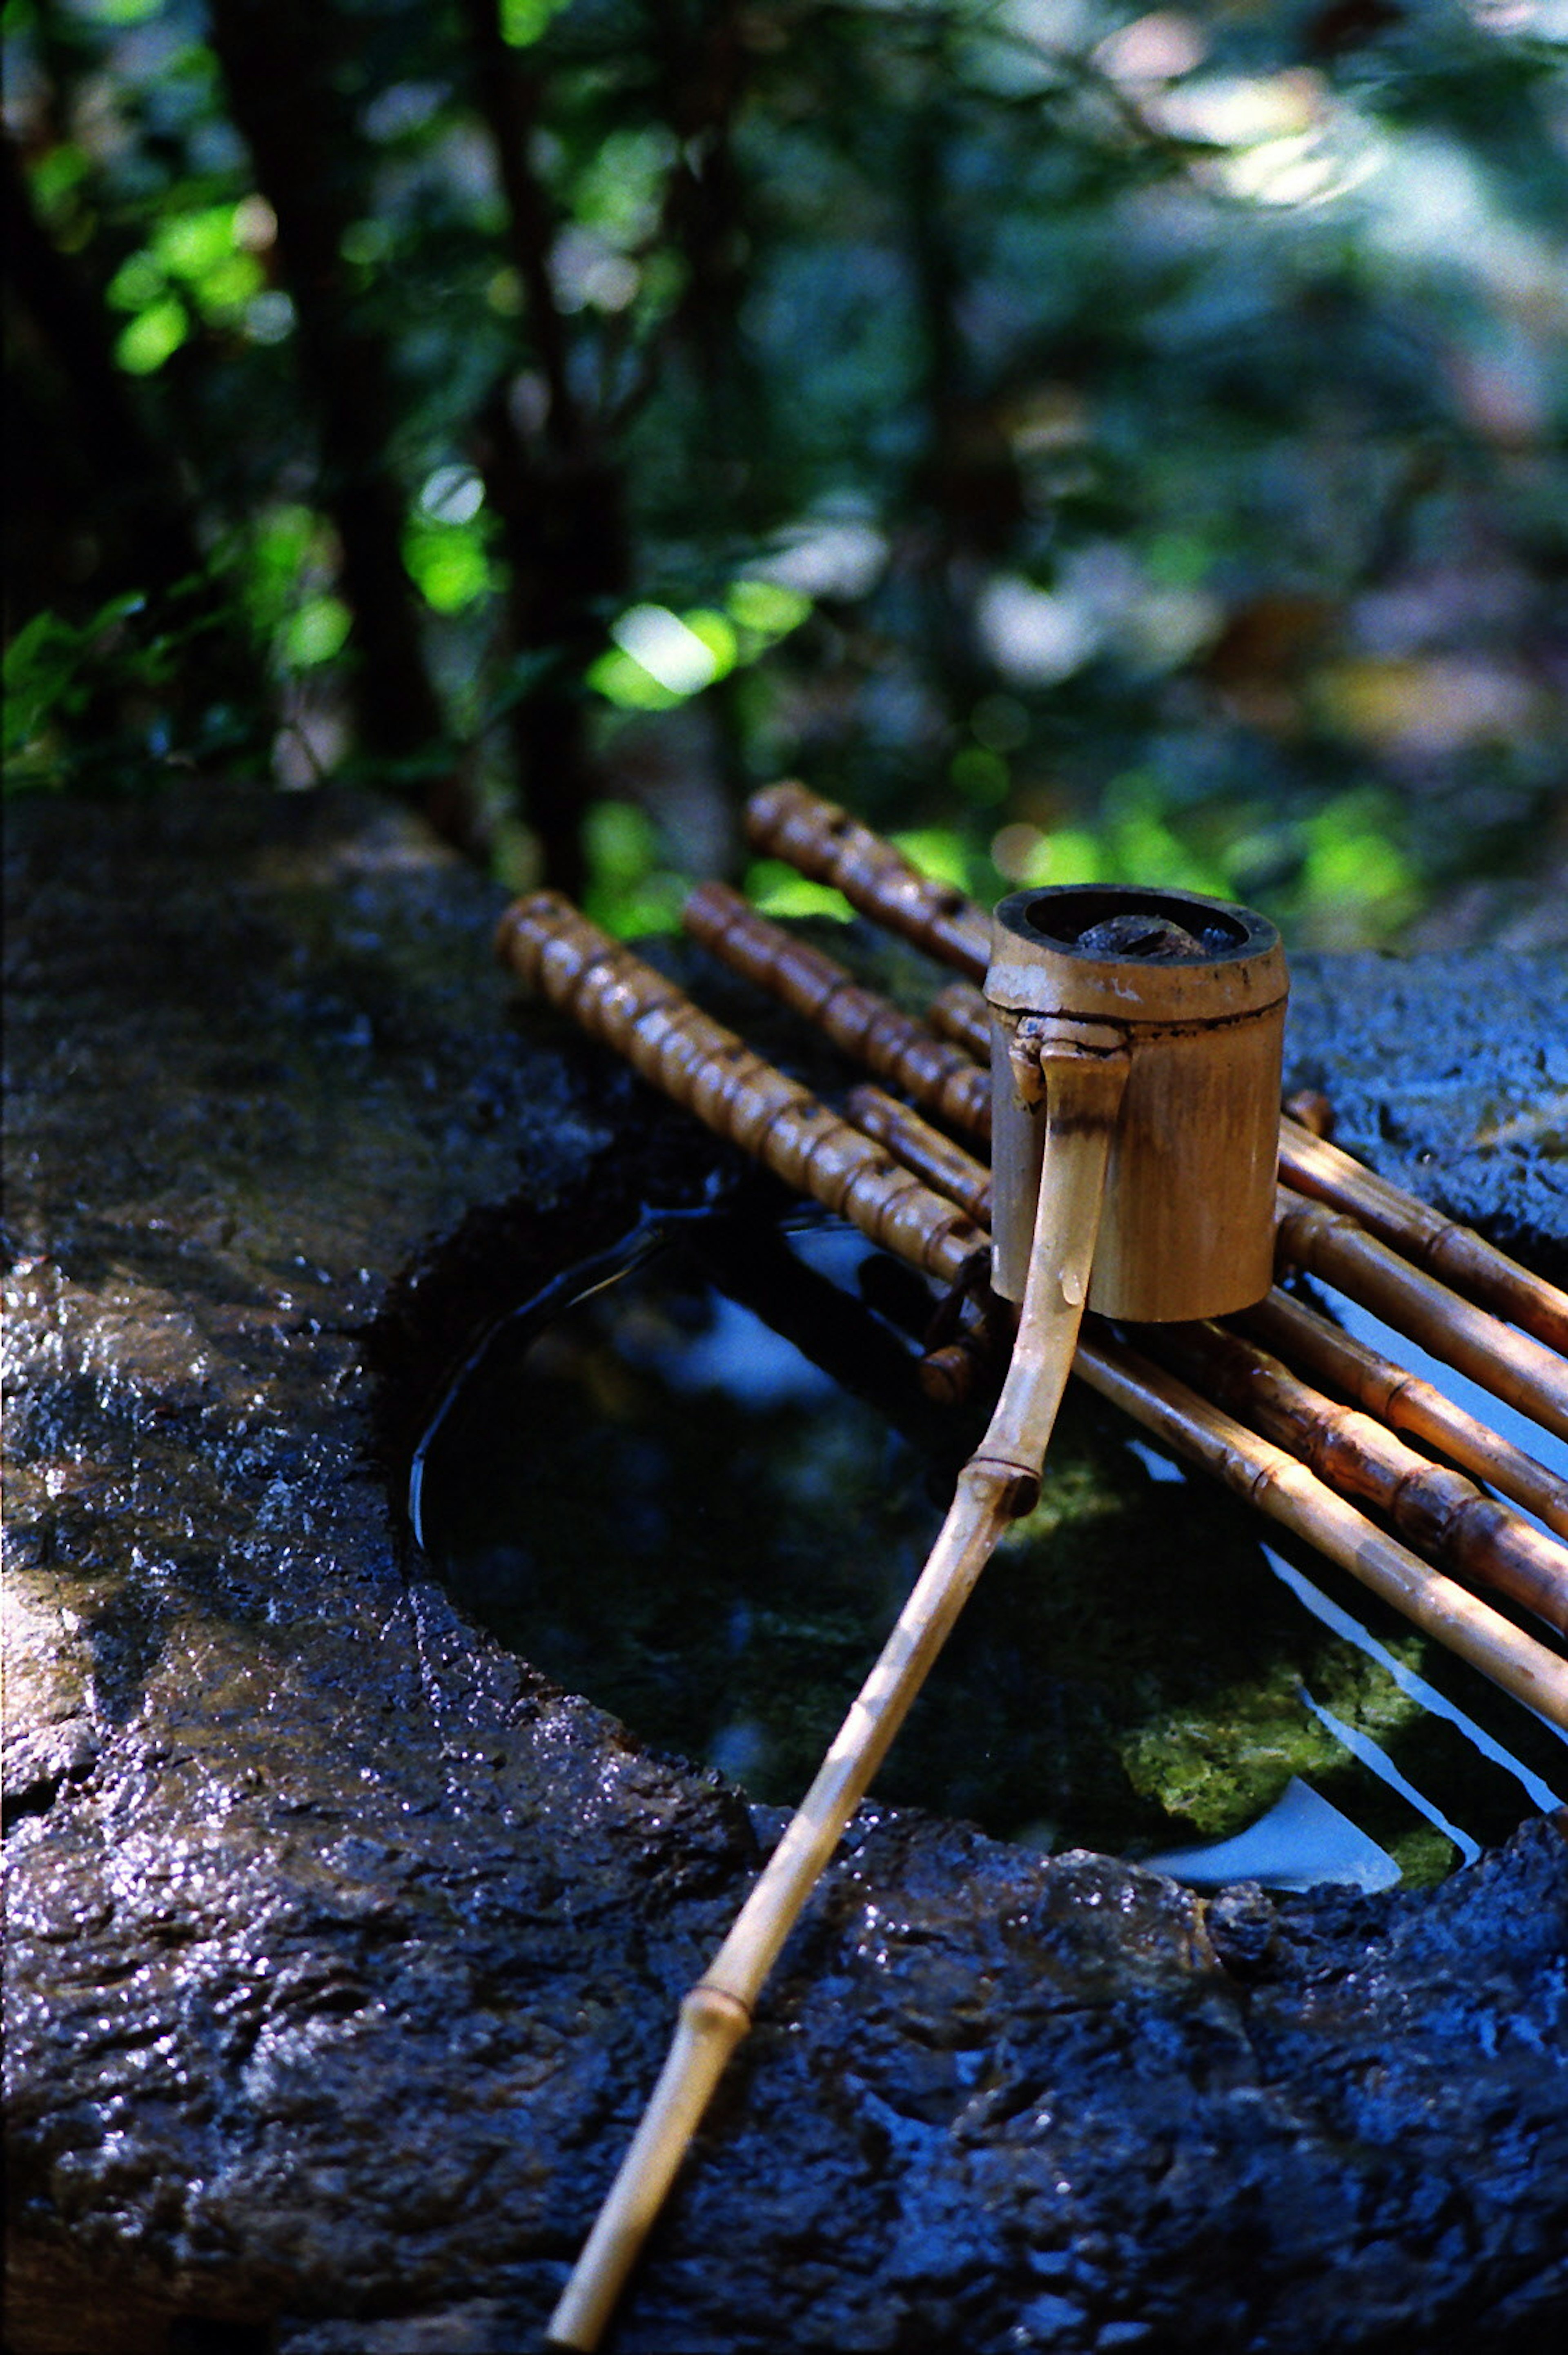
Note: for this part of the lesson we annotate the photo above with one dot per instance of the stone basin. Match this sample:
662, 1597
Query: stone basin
342, 1947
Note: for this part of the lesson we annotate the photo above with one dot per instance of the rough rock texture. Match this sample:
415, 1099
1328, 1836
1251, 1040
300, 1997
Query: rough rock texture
341, 1948
1450, 1075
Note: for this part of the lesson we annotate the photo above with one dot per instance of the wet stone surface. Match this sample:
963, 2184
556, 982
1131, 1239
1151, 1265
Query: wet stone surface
342, 1947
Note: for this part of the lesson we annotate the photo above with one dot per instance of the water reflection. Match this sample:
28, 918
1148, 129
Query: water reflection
1301, 1841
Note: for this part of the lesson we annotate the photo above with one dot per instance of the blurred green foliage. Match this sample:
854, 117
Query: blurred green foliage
1090, 442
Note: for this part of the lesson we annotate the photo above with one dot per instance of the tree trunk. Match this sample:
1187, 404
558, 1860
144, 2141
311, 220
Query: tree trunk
279, 59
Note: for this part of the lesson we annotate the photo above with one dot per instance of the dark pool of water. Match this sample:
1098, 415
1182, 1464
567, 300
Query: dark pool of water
695, 1480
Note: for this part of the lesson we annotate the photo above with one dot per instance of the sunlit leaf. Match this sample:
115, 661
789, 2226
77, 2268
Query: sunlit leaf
777, 889
767, 607
230, 284
621, 841
315, 633
1068, 853
188, 245
120, 12
452, 495
449, 563
664, 645
938, 852
136, 284
628, 889
523, 21
621, 680
151, 337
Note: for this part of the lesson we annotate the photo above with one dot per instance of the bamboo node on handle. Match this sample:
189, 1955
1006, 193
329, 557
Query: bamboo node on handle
709, 2006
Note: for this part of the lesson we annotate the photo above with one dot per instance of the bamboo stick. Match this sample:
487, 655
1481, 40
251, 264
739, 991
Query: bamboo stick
935, 1160
1289, 1493
1442, 1513
1510, 1364
1439, 1246
825, 842
707, 1069
941, 1077
1000, 1481
819, 839
1403, 1399
859, 1020
960, 1013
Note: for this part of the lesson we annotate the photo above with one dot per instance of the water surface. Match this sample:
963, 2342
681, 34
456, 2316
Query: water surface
696, 1478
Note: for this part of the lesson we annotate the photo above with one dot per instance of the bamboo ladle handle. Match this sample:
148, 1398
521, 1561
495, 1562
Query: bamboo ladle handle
1084, 1068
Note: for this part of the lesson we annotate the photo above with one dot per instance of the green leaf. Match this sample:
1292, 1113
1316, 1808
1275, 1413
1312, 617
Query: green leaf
523, 21
137, 283
621, 681
152, 337
775, 888
46, 682
188, 245
938, 852
56, 173
228, 285
628, 890
315, 633
120, 12
766, 607
448, 564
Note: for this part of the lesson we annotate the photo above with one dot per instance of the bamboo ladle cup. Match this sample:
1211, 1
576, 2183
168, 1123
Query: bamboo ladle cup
1066, 1083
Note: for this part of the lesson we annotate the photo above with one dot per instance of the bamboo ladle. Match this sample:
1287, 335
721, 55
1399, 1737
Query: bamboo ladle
1074, 1092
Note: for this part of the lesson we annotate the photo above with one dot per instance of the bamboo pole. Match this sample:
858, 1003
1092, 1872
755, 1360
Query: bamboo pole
859, 1020
823, 841
935, 1160
1444, 1515
1289, 1492
706, 1068
1439, 1246
960, 1013
1512, 1365
1000, 1481
1403, 1399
